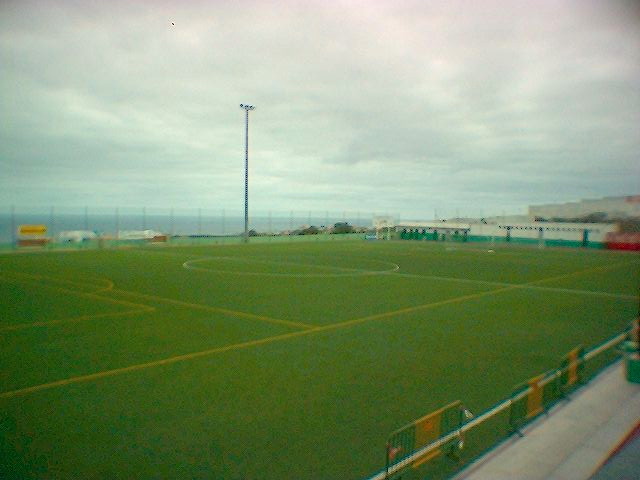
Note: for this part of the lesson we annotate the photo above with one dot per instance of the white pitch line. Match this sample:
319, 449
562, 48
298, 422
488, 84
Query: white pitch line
351, 271
522, 286
348, 271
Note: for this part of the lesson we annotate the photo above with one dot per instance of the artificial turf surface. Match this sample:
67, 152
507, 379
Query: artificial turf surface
276, 361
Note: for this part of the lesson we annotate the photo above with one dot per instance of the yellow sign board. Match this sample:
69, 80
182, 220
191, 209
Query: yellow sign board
32, 229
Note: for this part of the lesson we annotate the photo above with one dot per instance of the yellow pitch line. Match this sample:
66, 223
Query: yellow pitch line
579, 272
461, 298
458, 299
138, 308
108, 287
210, 308
93, 295
238, 346
141, 366
416, 308
162, 299
21, 326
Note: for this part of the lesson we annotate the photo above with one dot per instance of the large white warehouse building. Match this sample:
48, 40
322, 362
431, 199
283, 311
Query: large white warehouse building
612, 207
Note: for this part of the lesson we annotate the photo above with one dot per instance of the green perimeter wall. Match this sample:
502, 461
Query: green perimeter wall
535, 241
512, 240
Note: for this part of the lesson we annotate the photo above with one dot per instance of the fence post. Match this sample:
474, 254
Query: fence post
13, 228
571, 370
117, 235
53, 221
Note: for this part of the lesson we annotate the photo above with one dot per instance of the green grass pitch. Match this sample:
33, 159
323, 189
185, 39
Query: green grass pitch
274, 361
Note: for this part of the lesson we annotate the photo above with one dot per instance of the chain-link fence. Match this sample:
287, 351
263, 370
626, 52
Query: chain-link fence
92, 227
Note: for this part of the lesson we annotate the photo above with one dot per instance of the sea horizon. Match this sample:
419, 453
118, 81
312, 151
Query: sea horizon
176, 224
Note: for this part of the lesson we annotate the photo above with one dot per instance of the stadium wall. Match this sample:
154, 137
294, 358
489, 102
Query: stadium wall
592, 235
612, 207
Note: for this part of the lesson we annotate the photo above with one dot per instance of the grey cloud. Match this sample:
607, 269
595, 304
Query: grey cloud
391, 105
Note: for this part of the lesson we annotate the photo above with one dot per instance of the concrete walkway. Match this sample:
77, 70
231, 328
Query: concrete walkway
574, 440
624, 463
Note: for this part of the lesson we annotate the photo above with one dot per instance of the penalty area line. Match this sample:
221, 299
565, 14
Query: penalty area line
236, 346
143, 366
534, 284
276, 338
209, 308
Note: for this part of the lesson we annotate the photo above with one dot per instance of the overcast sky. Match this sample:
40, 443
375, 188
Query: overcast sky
399, 107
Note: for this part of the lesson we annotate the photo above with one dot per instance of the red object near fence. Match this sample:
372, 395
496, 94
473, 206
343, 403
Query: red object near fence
623, 241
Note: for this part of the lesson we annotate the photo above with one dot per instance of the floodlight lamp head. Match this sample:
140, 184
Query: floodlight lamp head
247, 107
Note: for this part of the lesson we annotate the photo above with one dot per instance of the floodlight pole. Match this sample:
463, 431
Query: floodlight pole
246, 109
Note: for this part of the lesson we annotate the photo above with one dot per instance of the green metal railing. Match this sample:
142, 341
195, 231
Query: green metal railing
465, 442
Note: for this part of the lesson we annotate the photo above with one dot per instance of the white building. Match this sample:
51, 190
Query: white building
542, 233
612, 207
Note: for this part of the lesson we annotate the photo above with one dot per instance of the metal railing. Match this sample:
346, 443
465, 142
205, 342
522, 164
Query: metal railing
484, 432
